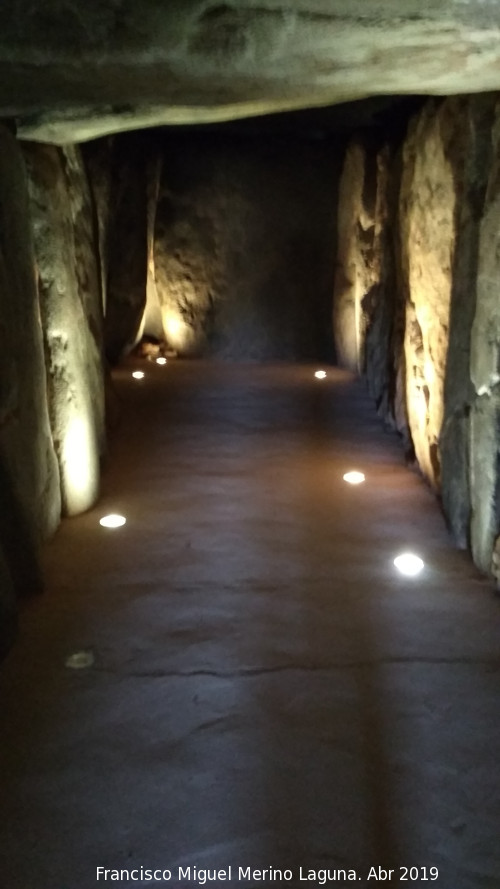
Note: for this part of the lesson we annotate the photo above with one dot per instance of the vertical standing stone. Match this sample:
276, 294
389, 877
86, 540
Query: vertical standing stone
29, 479
127, 246
354, 274
484, 451
427, 219
67, 276
367, 308
88, 279
471, 152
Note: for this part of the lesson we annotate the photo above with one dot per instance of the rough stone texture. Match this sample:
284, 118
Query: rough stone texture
73, 71
97, 157
368, 311
485, 375
69, 301
427, 219
471, 155
358, 266
88, 277
244, 240
29, 478
153, 323
127, 245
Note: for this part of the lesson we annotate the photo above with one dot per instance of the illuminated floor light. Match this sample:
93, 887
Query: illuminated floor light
409, 564
354, 477
138, 374
320, 374
161, 360
112, 521
80, 660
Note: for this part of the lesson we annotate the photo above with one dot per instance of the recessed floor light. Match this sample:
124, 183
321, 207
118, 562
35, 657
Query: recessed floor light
161, 360
409, 564
320, 374
354, 477
138, 374
80, 660
112, 521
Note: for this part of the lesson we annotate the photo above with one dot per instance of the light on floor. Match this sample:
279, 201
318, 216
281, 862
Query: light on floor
80, 660
409, 564
161, 360
320, 374
354, 477
112, 521
138, 374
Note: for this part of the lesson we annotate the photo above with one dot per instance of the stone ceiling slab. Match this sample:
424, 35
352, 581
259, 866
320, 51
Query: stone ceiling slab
70, 72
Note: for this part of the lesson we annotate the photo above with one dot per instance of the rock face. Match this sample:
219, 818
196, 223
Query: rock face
368, 307
471, 155
439, 256
427, 220
127, 257
484, 447
358, 266
29, 478
74, 72
238, 272
69, 290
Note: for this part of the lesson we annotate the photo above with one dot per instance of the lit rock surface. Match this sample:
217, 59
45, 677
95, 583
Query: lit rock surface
66, 262
71, 72
29, 479
356, 271
368, 309
244, 246
427, 207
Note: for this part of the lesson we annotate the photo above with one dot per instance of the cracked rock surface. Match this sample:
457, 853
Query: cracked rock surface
71, 72
261, 689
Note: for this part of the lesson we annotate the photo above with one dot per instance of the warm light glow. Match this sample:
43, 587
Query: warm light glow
112, 521
409, 564
320, 374
179, 334
79, 465
354, 477
161, 360
138, 374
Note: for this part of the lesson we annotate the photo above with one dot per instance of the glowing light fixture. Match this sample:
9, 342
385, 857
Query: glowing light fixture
409, 564
320, 374
354, 477
138, 374
80, 660
161, 360
112, 521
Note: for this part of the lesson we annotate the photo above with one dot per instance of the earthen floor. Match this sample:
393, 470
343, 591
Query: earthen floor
264, 689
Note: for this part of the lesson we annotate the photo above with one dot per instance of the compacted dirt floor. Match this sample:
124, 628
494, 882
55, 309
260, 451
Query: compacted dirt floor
257, 686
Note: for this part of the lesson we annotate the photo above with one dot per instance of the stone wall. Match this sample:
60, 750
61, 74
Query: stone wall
51, 392
70, 304
243, 246
417, 294
30, 501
